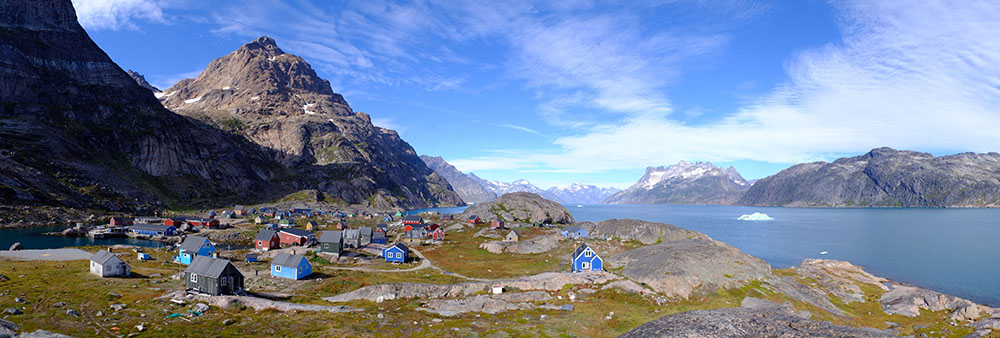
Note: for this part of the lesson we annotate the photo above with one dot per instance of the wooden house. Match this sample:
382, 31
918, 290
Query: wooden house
194, 246
211, 214
154, 229
286, 222
267, 239
228, 214
585, 259
259, 219
269, 211
574, 232
341, 225
379, 238
410, 220
290, 266
251, 257
121, 222
240, 210
331, 241
352, 238
175, 221
437, 234
292, 236
513, 236
312, 226
447, 217
397, 253
387, 218
106, 264
473, 219
382, 227
497, 224
203, 222
366, 235
214, 276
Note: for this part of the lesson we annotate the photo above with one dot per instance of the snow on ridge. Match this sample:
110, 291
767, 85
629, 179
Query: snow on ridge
158, 94
171, 94
192, 100
306, 108
226, 88
255, 98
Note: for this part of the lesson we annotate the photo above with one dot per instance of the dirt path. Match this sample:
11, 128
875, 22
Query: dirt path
424, 264
65, 254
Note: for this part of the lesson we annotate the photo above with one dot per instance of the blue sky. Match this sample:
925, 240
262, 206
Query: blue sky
593, 92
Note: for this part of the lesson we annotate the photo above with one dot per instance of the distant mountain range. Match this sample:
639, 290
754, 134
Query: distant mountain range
884, 177
684, 183
477, 190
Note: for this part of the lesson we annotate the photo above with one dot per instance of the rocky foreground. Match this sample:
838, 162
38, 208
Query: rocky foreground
521, 207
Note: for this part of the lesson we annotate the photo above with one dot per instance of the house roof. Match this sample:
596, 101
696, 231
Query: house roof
266, 234
412, 218
287, 259
208, 266
514, 232
101, 257
382, 226
579, 250
331, 236
365, 231
379, 235
352, 233
572, 228
473, 217
415, 234
400, 246
154, 227
193, 243
298, 232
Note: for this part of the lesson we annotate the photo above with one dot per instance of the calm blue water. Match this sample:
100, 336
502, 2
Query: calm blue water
953, 251
32, 238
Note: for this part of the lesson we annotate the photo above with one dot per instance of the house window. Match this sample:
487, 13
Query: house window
585, 266
222, 281
399, 255
260, 243
588, 253
300, 270
277, 268
194, 278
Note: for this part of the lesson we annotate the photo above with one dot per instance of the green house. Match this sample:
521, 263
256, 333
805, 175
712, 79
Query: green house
331, 241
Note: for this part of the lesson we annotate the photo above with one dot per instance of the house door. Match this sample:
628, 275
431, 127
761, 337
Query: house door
585, 266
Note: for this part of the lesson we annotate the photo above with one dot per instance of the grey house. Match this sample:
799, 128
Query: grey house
214, 276
352, 238
331, 241
366, 235
106, 264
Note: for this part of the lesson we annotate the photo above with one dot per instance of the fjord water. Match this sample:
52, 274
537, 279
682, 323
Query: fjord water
952, 251
33, 238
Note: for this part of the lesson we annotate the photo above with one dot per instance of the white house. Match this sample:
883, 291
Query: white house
106, 264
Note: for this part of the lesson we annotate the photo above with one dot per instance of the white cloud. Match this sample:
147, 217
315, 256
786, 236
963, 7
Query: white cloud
386, 123
117, 14
522, 128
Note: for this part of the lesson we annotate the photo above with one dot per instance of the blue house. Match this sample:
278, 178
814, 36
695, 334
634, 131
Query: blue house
387, 218
290, 266
574, 232
194, 246
398, 253
154, 229
585, 259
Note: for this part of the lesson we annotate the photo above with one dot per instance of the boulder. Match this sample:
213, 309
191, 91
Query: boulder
118, 307
44, 334
490, 304
522, 207
678, 268
645, 232
16, 246
746, 322
801, 292
531, 246
8, 329
200, 307
12, 311
839, 278
628, 286
908, 300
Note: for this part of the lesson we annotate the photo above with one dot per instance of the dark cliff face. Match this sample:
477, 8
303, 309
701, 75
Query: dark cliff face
78, 132
885, 177
469, 187
141, 80
278, 102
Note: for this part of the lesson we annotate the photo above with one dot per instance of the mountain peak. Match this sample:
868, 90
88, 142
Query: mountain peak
264, 45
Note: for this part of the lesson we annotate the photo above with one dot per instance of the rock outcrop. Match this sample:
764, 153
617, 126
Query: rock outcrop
141, 80
755, 321
470, 187
680, 268
278, 102
684, 183
490, 304
549, 281
535, 245
884, 177
521, 207
643, 231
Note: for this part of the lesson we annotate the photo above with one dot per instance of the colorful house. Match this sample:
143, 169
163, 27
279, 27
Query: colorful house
214, 276
239, 210
382, 227
413, 220
366, 235
397, 253
203, 222
437, 234
399, 214
175, 221
154, 229
312, 226
379, 238
267, 239
513, 236
290, 266
106, 264
574, 232
387, 218
331, 241
473, 219
121, 221
341, 225
194, 246
352, 238
497, 224
447, 217
585, 259
259, 219
294, 236
286, 222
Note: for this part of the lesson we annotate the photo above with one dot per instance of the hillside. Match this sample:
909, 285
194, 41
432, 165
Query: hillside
469, 186
684, 183
278, 102
884, 177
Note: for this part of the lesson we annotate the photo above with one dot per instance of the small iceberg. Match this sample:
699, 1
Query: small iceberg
823, 252
755, 217
579, 206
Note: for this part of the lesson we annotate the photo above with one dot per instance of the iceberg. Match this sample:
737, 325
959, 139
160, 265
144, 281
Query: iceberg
755, 217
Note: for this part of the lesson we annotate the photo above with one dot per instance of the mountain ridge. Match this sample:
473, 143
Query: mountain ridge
684, 183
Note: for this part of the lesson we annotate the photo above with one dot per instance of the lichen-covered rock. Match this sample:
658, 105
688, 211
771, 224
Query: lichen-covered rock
491, 304
908, 301
840, 278
746, 322
678, 268
643, 231
530, 246
522, 207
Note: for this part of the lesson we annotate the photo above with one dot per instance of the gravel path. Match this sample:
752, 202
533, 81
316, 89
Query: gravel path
424, 264
64, 254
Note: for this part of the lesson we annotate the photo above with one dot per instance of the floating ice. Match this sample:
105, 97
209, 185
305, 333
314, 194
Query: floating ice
823, 252
755, 217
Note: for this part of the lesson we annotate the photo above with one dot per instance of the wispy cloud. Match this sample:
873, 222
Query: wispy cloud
387, 123
117, 14
522, 128
163, 82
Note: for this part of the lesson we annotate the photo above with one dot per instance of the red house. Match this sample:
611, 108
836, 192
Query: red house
293, 236
474, 219
204, 222
413, 220
433, 227
121, 221
437, 234
496, 224
176, 222
267, 239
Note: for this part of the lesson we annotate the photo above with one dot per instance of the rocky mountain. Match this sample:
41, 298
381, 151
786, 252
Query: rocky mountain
521, 207
885, 177
684, 183
278, 102
141, 80
521, 185
77, 132
578, 193
469, 186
